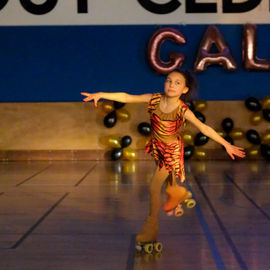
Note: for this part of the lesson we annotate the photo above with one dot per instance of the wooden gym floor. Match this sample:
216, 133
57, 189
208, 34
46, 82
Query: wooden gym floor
85, 214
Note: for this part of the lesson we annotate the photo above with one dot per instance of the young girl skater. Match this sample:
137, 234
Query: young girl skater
167, 114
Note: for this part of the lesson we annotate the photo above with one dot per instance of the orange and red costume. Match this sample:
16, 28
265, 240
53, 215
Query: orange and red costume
165, 143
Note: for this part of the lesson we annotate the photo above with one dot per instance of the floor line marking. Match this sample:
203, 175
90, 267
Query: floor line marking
38, 222
90, 170
248, 197
27, 179
131, 253
210, 239
233, 247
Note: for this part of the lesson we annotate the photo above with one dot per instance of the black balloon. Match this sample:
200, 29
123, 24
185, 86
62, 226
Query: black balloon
118, 105
110, 119
126, 141
227, 124
228, 139
190, 104
253, 136
265, 151
144, 128
200, 116
266, 114
116, 153
253, 104
188, 151
200, 139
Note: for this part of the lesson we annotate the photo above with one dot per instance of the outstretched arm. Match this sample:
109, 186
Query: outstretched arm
120, 97
211, 133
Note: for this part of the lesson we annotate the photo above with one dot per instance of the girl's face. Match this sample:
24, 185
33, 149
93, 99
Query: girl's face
175, 85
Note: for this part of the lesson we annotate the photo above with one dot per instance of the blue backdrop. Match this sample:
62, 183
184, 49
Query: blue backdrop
56, 63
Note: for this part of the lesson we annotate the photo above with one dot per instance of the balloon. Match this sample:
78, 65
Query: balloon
129, 153
253, 136
200, 105
188, 151
253, 104
205, 57
265, 151
201, 139
200, 153
188, 137
110, 140
256, 118
227, 124
200, 116
107, 107
266, 102
154, 45
253, 152
190, 105
144, 128
228, 139
110, 119
266, 137
118, 105
250, 60
126, 141
116, 153
237, 133
221, 133
114, 142
123, 115
266, 114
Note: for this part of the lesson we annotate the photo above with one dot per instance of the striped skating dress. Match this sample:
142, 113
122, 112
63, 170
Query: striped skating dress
165, 143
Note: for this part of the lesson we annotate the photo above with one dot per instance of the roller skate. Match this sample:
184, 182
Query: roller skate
146, 240
176, 196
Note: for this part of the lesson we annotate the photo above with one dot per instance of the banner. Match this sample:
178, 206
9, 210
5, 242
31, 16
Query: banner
126, 12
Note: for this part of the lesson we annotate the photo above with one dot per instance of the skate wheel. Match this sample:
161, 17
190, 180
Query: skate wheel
191, 203
138, 248
158, 247
148, 248
169, 213
179, 211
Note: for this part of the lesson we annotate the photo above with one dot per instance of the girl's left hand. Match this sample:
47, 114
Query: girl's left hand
235, 150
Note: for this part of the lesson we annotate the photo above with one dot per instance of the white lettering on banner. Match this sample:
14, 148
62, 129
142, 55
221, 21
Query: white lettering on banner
113, 12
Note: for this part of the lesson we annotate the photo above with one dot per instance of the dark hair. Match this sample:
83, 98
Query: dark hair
191, 83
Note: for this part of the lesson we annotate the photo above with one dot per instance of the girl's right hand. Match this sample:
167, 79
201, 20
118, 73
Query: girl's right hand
94, 96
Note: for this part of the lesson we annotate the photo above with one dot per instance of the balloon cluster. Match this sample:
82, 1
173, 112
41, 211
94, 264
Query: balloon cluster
259, 110
259, 144
200, 139
120, 147
115, 111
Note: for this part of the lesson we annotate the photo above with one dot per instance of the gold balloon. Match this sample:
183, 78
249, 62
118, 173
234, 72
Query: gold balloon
237, 133
253, 152
111, 141
266, 137
256, 118
200, 105
107, 106
200, 153
221, 133
122, 114
266, 102
188, 137
129, 153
